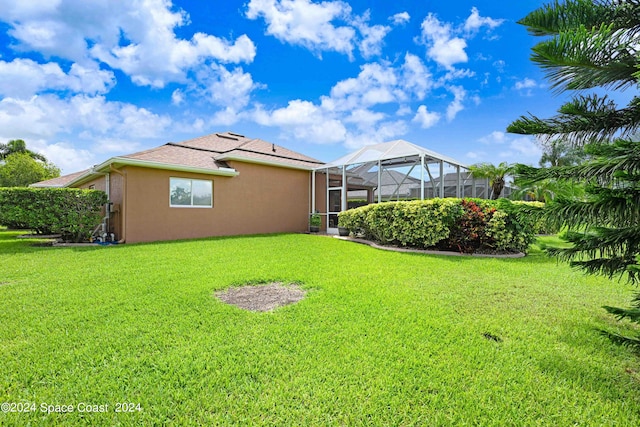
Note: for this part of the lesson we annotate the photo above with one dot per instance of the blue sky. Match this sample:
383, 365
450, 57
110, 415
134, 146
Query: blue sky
82, 81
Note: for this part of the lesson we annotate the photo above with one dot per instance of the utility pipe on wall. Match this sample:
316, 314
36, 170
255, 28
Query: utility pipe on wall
123, 208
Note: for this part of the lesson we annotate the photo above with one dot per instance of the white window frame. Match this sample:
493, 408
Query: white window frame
191, 206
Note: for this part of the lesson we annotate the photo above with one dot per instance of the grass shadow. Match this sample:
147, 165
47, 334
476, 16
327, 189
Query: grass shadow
11, 244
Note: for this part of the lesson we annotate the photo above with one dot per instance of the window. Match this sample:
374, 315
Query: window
194, 193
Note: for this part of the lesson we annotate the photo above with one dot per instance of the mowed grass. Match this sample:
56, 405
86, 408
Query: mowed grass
382, 338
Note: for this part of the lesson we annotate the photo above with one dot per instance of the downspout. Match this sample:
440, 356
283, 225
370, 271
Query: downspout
107, 189
313, 191
124, 201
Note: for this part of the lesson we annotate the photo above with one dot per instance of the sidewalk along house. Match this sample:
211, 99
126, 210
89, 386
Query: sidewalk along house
227, 184
215, 185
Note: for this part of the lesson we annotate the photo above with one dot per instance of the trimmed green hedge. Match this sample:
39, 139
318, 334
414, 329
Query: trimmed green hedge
71, 212
464, 225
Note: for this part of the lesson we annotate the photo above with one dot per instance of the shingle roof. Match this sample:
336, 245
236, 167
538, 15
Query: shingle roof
211, 151
230, 145
206, 153
60, 181
175, 155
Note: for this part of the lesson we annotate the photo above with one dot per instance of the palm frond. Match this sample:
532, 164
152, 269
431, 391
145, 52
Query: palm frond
616, 164
616, 211
623, 340
602, 251
584, 119
585, 58
556, 17
631, 314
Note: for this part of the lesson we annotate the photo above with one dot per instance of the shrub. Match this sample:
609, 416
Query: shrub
465, 225
407, 223
71, 212
534, 213
315, 220
469, 233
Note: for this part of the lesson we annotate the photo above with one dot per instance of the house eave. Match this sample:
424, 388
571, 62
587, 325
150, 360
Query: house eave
123, 161
265, 162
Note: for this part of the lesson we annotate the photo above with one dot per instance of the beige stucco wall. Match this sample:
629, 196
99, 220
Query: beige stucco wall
261, 199
115, 196
321, 198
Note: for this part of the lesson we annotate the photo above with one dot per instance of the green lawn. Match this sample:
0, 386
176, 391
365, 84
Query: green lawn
382, 338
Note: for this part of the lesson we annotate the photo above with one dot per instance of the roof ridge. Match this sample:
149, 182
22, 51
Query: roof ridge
239, 148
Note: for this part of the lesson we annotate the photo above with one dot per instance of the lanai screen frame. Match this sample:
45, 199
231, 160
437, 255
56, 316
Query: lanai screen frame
394, 154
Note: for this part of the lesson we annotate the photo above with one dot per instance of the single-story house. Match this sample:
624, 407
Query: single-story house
228, 184
215, 185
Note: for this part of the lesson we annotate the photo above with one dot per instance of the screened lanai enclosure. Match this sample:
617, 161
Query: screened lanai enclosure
396, 170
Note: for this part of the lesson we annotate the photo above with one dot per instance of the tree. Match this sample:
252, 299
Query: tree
20, 170
495, 174
18, 146
557, 152
593, 44
546, 190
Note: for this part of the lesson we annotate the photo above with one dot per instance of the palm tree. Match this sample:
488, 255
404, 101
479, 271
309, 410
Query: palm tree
558, 152
593, 44
18, 146
495, 174
546, 190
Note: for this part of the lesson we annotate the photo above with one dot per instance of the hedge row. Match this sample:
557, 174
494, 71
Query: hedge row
71, 212
464, 225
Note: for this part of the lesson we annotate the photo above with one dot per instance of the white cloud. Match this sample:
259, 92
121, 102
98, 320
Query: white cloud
404, 110
475, 155
300, 22
226, 117
415, 77
124, 35
442, 46
495, 137
446, 44
229, 88
459, 95
424, 118
522, 149
24, 78
113, 145
382, 132
304, 120
149, 66
58, 127
527, 83
525, 147
364, 118
64, 155
177, 97
474, 22
372, 36
351, 112
380, 83
328, 26
457, 73
400, 18
375, 84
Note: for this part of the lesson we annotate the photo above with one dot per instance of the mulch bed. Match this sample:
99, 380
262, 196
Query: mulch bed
263, 297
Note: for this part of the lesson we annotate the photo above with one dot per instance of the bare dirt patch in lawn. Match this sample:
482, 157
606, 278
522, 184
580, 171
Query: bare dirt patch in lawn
263, 297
